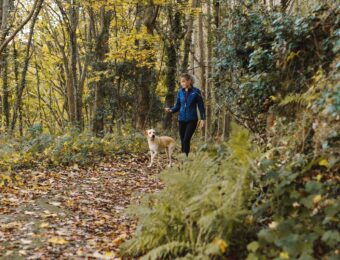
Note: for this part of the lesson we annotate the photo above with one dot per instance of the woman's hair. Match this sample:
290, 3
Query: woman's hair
188, 76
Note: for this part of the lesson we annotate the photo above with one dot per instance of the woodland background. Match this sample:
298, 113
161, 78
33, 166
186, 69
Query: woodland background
81, 80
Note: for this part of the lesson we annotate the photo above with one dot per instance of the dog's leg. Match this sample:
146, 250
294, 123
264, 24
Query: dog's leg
171, 149
152, 157
156, 154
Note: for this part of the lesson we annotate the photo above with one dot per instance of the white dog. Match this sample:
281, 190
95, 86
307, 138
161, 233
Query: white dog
156, 143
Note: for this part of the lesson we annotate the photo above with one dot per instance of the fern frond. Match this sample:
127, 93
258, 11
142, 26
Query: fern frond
294, 100
168, 251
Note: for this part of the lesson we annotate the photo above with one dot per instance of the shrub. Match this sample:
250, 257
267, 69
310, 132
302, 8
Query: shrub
202, 212
38, 148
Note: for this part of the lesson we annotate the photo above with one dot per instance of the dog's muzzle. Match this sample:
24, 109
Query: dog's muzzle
153, 137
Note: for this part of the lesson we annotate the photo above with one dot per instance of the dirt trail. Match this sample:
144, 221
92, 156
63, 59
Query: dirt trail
73, 213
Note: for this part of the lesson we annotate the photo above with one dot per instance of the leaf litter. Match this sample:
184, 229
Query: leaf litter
74, 212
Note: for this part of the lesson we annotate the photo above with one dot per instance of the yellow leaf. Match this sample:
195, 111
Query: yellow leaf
44, 225
324, 162
119, 240
110, 254
57, 241
273, 98
284, 255
99, 222
319, 177
273, 225
292, 55
317, 199
222, 245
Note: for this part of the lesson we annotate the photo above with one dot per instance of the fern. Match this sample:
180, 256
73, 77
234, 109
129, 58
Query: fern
203, 200
294, 100
168, 251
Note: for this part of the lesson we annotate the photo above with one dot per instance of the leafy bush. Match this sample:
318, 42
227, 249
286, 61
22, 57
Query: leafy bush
202, 212
38, 148
302, 203
265, 56
299, 204
85, 148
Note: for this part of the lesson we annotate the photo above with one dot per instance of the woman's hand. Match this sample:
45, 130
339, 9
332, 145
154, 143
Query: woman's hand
202, 123
167, 109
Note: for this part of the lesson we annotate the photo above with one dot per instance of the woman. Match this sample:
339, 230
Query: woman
188, 98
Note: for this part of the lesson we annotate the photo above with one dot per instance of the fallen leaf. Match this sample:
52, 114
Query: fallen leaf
324, 162
44, 225
57, 241
25, 241
54, 203
222, 245
11, 225
317, 199
119, 240
22, 252
30, 213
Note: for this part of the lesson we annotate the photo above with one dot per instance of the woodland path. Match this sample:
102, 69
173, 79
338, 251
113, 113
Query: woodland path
74, 212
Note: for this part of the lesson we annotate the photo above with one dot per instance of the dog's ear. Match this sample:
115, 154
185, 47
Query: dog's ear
145, 132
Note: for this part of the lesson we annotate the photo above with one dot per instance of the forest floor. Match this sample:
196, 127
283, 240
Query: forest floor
74, 212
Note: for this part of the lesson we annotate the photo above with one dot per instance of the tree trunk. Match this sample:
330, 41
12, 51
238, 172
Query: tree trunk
188, 38
202, 60
226, 125
209, 73
4, 13
172, 49
171, 53
20, 91
146, 76
75, 95
101, 50
217, 122
39, 95
5, 89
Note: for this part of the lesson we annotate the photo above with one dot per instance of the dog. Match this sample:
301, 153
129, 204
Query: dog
156, 143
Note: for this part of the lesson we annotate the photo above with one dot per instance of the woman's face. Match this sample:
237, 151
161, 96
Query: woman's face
185, 83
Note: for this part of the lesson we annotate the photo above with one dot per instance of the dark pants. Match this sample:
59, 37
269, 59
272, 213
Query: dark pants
186, 131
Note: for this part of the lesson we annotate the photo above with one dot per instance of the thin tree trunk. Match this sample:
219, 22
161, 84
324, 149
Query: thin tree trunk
76, 95
171, 54
17, 82
5, 89
218, 118
39, 95
19, 93
209, 73
202, 59
188, 38
172, 49
1, 14
226, 125
3, 21
146, 75
101, 51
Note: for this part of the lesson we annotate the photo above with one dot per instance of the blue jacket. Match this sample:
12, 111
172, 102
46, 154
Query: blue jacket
188, 107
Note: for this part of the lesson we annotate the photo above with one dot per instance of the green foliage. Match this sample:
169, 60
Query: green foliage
303, 200
203, 208
265, 54
38, 148
298, 205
